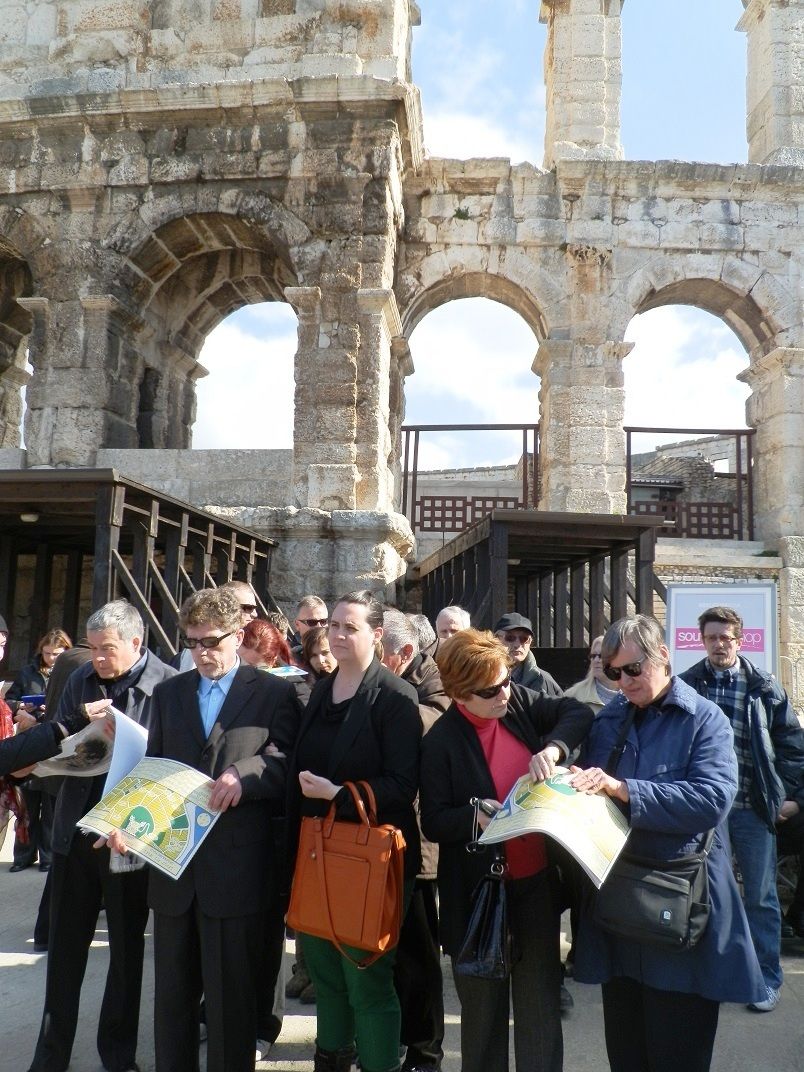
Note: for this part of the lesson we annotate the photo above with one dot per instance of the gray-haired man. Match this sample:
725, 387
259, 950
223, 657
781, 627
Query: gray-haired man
123, 673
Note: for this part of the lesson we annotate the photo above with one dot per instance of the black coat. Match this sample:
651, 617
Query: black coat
31, 746
378, 742
454, 769
235, 871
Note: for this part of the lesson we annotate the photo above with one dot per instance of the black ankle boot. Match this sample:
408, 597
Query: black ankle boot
333, 1060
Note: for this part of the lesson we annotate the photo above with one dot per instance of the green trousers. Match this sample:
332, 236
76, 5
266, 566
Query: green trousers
356, 1006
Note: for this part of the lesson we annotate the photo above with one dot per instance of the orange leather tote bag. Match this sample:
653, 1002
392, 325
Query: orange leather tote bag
347, 886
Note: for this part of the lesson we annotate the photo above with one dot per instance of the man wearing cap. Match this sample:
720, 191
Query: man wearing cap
516, 632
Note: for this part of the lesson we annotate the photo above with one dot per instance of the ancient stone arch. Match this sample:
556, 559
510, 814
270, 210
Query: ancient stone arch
171, 159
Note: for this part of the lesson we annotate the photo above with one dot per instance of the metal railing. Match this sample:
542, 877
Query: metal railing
454, 513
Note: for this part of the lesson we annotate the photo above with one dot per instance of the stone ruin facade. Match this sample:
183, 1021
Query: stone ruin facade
164, 163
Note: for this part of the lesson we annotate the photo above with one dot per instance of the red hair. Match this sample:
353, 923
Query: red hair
268, 642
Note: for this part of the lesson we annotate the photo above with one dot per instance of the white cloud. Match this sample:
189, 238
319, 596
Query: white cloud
462, 135
246, 401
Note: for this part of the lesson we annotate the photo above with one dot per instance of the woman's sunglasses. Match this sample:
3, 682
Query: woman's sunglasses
492, 690
614, 673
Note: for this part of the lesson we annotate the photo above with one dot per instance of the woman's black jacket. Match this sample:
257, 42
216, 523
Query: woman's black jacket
378, 742
454, 769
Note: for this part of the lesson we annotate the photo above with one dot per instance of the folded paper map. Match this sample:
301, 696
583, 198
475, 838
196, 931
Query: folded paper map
590, 827
162, 810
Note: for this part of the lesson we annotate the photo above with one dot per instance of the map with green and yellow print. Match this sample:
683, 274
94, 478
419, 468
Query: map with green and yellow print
162, 810
591, 828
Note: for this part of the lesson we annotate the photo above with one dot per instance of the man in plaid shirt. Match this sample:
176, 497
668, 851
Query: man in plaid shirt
769, 745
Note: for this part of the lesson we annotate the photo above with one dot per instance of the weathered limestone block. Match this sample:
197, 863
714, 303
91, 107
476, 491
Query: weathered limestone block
776, 409
582, 442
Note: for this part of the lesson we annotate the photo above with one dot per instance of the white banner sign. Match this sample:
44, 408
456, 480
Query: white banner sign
756, 605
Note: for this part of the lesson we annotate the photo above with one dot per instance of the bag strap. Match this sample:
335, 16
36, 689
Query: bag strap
616, 753
360, 808
322, 882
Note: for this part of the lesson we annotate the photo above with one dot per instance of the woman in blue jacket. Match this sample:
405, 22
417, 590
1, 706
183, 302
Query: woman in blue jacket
675, 780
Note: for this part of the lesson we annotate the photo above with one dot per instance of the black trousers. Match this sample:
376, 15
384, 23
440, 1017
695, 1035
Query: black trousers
417, 978
40, 823
197, 955
81, 881
533, 989
649, 1030
273, 946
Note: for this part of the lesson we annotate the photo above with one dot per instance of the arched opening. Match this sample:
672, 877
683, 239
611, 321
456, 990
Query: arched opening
246, 400
472, 361
682, 376
488, 99
684, 70
15, 328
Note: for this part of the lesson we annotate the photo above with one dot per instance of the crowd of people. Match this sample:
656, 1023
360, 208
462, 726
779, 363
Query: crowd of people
439, 724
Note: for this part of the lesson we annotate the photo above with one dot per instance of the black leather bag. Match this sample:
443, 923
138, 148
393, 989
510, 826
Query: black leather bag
486, 949
662, 903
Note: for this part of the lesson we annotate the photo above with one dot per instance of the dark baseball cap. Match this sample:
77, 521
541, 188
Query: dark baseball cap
513, 621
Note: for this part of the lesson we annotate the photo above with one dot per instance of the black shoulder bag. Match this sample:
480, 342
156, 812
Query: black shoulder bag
663, 903
486, 952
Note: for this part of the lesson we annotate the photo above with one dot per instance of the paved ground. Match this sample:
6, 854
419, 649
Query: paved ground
747, 1042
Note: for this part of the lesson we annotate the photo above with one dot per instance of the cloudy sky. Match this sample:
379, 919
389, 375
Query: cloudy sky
483, 95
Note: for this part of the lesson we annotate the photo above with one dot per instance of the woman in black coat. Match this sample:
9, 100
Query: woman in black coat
493, 733
361, 724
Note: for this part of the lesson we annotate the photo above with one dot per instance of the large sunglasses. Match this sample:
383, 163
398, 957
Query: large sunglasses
614, 673
207, 642
248, 608
313, 622
492, 690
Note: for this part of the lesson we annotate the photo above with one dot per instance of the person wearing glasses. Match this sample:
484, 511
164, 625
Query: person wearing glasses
493, 732
675, 780
236, 724
311, 612
595, 689
769, 745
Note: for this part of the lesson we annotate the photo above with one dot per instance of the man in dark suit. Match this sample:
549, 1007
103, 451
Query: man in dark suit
236, 724
124, 674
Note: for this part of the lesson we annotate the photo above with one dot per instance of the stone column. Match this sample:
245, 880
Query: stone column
376, 446
325, 473
401, 368
775, 94
776, 410
583, 79
84, 390
582, 443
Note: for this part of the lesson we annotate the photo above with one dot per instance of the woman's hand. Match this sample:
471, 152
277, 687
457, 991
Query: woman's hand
543, 765
483, 820
115, 841
595, 780
317, 787
787, 811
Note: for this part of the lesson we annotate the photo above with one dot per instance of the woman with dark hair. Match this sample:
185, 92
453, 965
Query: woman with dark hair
493, 733
675, 779
317, 654
362, 724
32, 680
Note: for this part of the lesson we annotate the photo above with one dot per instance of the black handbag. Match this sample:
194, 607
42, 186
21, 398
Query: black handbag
663, 903
486, 952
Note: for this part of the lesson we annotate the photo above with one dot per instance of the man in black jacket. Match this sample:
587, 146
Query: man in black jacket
516, 632
124, 674
769, 744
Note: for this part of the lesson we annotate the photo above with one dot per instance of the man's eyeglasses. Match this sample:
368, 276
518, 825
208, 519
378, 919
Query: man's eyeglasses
248, 608
723, 638
595, 655
614, 673
492, 690
207, 642
313, 622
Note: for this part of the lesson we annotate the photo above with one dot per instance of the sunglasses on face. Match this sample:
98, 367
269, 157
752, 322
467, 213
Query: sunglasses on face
207, 642
248, 608
492, 690
614, 673
313, 622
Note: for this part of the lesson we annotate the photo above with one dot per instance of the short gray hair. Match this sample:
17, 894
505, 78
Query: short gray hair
397, 631
119, 615
424, 630
461, 614
642, 630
